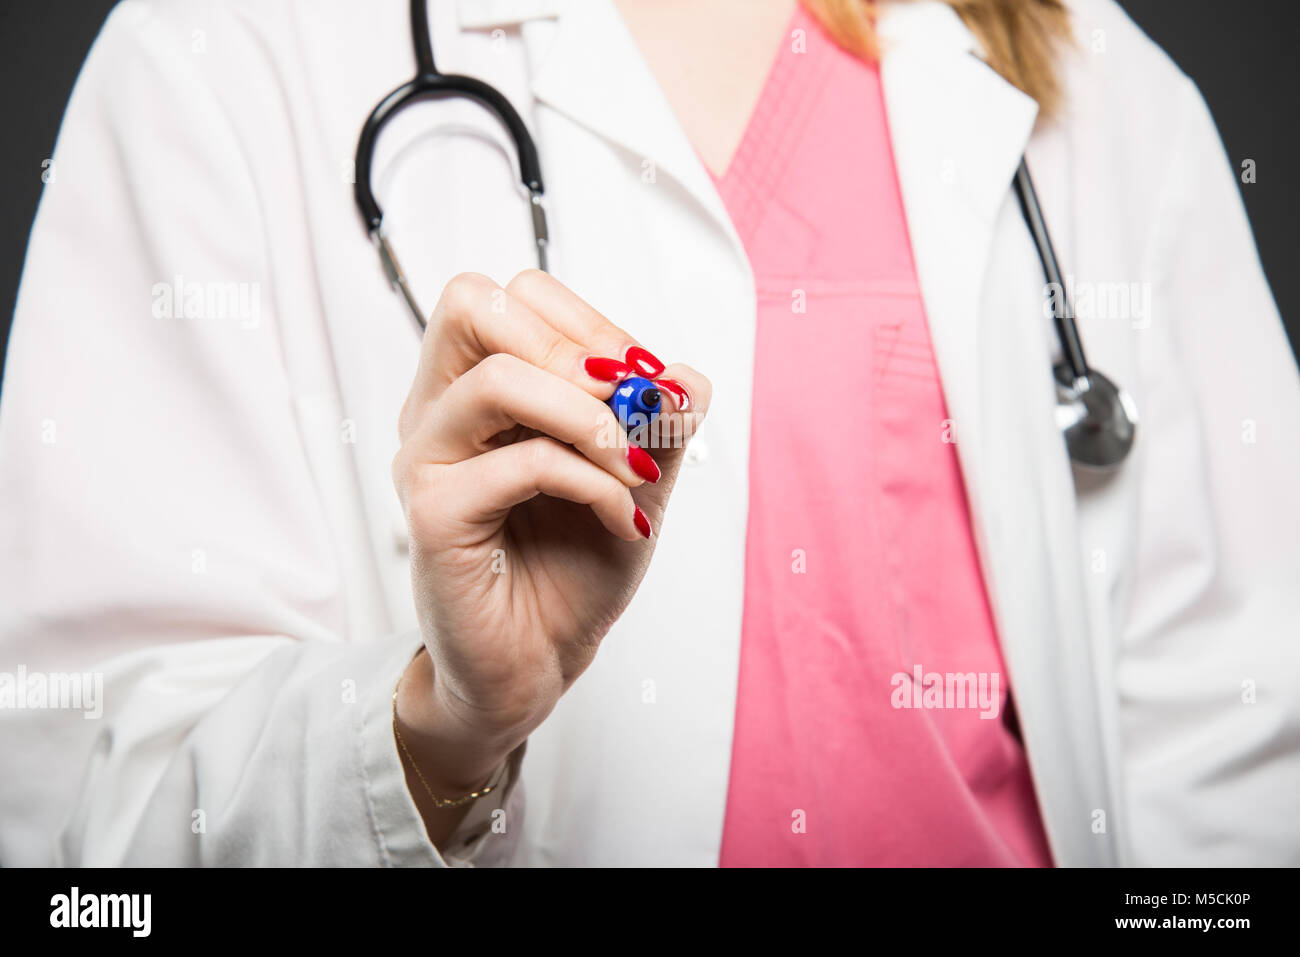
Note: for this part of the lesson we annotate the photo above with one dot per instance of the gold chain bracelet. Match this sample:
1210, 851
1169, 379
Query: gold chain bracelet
493, 782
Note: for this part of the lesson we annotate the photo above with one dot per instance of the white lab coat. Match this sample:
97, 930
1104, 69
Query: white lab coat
201, 508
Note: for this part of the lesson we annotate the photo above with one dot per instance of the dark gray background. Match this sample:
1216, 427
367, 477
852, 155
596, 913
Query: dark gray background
1239, 53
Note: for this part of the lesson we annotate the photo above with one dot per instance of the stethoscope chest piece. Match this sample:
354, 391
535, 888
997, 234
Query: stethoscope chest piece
1097, 417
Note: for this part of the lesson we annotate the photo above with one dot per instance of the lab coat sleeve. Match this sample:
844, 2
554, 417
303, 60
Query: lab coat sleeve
160, 533
1208, 676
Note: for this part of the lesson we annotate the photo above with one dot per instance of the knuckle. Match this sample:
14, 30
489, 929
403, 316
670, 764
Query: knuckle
398, 469
404, 420
552, 351
415, 407
464, 293
541, 455
495, 372
612, 491
423, 505
526, 281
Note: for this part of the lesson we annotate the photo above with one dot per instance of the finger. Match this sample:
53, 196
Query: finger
475, 318
483, 489
687, 396
503, 392
571, 315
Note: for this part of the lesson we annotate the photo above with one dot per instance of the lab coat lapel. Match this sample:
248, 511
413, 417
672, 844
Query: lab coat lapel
594, 74
958, 131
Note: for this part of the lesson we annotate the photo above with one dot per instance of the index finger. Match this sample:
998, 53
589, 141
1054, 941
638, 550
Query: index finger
476, 318
571, 315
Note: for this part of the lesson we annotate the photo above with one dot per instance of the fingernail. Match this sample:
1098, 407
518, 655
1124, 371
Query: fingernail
642, 464
677, 391
641, 522
607, 370
644, 362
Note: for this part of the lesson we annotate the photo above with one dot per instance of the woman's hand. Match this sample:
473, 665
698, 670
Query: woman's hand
527, 541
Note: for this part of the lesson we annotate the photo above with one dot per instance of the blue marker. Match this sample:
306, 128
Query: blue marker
636, 401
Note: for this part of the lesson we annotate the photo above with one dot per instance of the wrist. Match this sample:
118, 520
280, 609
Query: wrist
454, 756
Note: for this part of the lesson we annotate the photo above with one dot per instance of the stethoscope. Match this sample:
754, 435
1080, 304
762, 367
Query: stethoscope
1097, 417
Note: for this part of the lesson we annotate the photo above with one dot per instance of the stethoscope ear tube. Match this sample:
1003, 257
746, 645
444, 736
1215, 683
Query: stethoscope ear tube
426, 84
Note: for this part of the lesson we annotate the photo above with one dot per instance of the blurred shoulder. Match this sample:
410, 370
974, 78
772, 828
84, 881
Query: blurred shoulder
1115, 76
217, 34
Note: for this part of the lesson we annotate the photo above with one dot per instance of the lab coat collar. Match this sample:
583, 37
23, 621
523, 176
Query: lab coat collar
926, 25
595, 74
490, 14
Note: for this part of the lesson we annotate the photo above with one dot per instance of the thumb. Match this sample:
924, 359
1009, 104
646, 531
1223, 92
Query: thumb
686, 395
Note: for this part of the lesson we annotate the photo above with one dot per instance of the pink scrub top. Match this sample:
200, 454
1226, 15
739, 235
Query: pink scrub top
861, 735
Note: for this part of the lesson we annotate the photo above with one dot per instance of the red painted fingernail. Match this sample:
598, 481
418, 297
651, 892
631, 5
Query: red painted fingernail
607, 370
641, 522
642, 464
644, 362
677, 391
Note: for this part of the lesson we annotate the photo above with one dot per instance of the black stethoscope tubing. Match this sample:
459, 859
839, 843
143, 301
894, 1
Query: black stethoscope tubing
1098, 419
428, 83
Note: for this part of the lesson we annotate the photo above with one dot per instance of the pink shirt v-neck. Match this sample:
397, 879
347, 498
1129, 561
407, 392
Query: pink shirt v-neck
865, 612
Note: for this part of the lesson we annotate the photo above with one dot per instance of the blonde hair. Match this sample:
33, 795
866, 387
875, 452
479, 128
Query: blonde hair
1019, 37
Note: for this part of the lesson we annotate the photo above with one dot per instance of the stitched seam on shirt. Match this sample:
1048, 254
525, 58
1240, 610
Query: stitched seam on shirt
780, 131
775, 128
770, 287
359, 727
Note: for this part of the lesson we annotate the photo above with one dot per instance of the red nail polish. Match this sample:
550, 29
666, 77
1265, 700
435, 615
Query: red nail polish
642, 464
607, 370
677, 391
643, 362
641, 522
